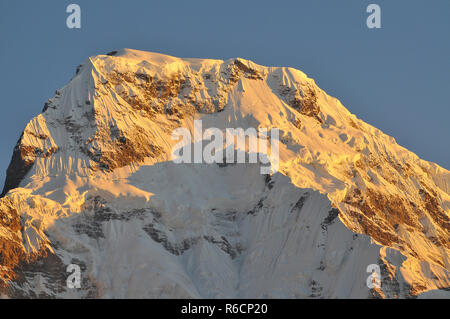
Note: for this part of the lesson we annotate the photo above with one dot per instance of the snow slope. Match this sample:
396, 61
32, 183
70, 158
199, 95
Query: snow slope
91, 182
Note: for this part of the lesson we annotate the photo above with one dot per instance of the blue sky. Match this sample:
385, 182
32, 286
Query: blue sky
396, 78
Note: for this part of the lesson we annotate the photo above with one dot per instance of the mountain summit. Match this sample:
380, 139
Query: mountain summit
92, 183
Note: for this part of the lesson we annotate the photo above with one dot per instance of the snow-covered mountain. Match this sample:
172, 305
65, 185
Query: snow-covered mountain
92, 183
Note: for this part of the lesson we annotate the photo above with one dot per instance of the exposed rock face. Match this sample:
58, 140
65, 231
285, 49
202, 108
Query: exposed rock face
22, 160
304, 102
91, 183
11, 249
